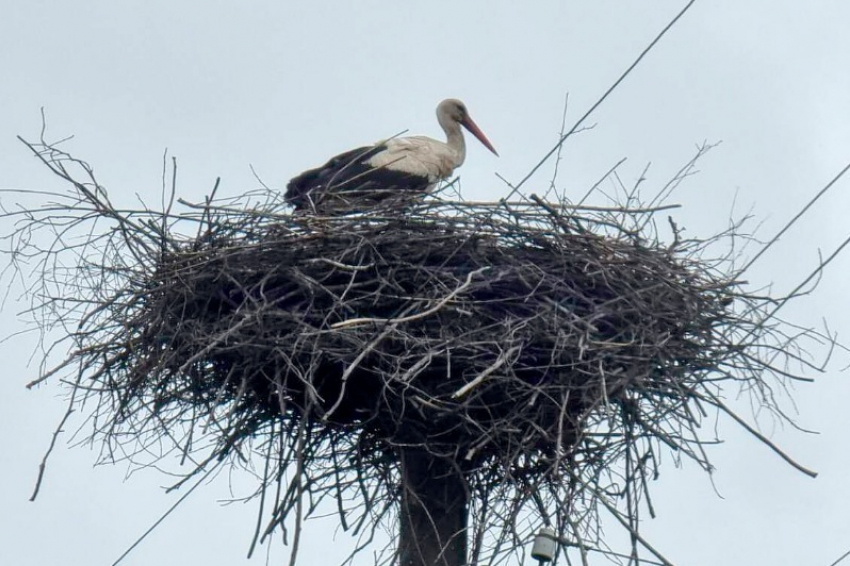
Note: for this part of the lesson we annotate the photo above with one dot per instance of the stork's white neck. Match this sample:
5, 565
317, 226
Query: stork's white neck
454, 137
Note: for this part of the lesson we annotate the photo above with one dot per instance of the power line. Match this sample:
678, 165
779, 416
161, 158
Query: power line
601, 99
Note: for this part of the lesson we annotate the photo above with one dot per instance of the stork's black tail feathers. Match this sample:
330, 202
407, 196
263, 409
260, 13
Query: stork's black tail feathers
336, 171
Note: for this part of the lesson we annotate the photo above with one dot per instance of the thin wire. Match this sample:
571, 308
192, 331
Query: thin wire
842, 557
164, 516
602, 99
793, 220
807, 280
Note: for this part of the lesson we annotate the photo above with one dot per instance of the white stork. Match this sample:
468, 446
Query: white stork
390, 171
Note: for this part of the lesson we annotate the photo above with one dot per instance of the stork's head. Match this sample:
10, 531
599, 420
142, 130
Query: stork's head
452, 111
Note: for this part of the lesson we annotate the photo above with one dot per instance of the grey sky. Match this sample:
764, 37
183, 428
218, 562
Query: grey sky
282, 86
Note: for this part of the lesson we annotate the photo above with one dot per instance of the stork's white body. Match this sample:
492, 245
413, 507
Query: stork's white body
420, 155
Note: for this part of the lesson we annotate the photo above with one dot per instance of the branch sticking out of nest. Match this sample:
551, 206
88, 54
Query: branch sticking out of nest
541, 353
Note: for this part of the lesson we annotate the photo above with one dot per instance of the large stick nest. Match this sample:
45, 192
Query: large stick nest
477, 338
545, 351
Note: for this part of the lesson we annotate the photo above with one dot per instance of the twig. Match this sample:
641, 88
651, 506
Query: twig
767, 442
402, 320
500, 361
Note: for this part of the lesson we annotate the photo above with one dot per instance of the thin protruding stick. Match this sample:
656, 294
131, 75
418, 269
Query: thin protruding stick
767, 442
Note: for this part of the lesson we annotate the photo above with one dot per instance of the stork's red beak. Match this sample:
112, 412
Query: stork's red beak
476, 131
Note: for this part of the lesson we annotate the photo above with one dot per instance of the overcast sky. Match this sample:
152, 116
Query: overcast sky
281, 86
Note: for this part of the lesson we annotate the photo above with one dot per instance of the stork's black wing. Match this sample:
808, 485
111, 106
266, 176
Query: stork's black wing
348, 183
